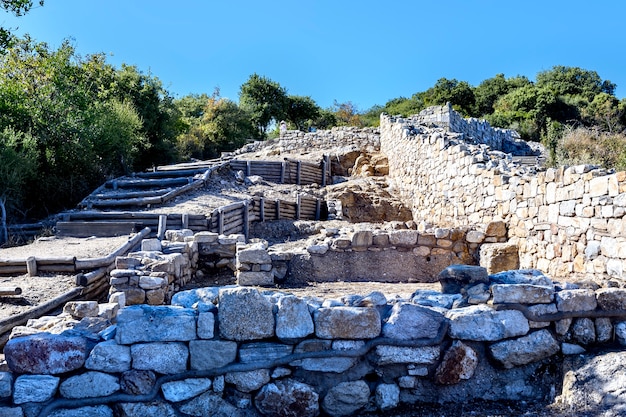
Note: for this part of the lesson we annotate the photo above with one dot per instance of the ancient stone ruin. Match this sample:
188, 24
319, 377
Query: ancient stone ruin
529, 265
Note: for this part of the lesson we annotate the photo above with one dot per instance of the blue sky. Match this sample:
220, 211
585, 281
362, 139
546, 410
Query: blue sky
366, 52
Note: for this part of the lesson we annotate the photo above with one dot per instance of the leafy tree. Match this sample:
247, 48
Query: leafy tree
264, 100
605, 111
325, 120
570, 81
301, 111
458, 93
347, 114
490, 90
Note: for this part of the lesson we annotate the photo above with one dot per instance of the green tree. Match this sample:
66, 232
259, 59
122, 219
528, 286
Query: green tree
458, 93
301, 111
571, 81
264, 100
347, 114
490, 90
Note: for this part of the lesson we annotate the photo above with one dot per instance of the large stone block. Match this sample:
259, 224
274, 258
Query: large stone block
459, 363
211, 354
209, 404
89, 384
45, 353
34, 388
252, 278
248, 381
177, 391
403, 237
293, 320
347, 323
521, 276
110, 357
456, 277
531, 348
263, 351
611, 298
498, 257
287, 398
164, 358
576, 300
522, 294
386, 355
346, 398
244, 314
144, 323
482, 323
409, 321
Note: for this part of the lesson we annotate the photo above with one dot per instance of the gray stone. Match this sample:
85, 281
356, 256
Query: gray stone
571, 349
151, 245
89, 384
318, 249
522, 294
331, 364
80, 309
253, 255
244, 314
136, 382
142, 323
11, 411
427, 355
584, 331
482, 323
177, 391
164, 358
403, 237
293, 320
152, 283
88, 411
253, 278
576, 300
346, 398
248, 381
620, 332
347, 323
6, 384
211, 354
611, 298
362, 238
459, 363
34, 388
44, 353
206, 325
604, 330
431, 298
498, 257
409, 321
561, 327
109, 357
387, 396
531, 348
478, 294
521, 276
147, 409
202, 299
263, 351
287, 398
209, 404
540, 310
456, 277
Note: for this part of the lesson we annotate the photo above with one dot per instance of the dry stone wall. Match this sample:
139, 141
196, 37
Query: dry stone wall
566, 221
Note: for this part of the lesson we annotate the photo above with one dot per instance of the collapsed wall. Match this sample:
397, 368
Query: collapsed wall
567, 221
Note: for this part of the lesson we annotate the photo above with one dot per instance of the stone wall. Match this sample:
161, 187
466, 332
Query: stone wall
567, 221
240, 352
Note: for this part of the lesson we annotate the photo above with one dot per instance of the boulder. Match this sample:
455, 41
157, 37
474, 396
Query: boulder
459, 363
287, 398
211, 354
248, 381
521, 276
611, 298
482, 323
387, 396
109, 357
456, 277
153, 408
522, 294
202, 299
89, 384
293, 320
45, 353
164, 358
576, 300
34, 388
244, 314
209, 404
346, 398
521, 351
347, 323
137, 382
142, 323
498, 257
409, 321
177, 391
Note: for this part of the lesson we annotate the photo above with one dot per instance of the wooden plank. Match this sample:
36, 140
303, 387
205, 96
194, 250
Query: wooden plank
10, 291
190, 172
142, 201
99, 229
147, 183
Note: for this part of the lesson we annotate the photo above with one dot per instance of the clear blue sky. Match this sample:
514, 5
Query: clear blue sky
366, 52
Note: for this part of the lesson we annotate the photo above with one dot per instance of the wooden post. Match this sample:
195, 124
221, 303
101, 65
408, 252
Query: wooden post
246, 219
184, 220
220, 221
31, 266
277, 209
318, 208
248, 168
298, 169
262, 209
283, 168
162, 226
298, 201
324, 172
329, 167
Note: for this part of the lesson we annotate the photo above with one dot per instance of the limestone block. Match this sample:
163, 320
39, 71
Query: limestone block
248, 381
287, 398
531, 348
386, 355
34, 388
152, 283
576, 300
604, 330
432, 298
44, 353
522, 294
346, 398
403, 237
205, 237
177, 391
155, 297
496, 229
164, 358
409, 321
459, 363
211, 354
347, 323
387, 396
255, 278
583, 331
153, 408
89, 384
80, 309
498, 257
478, 294
253, 255
475, 236
143, 323
541, 309
482, 323
109, 357
263, 351
293, 319
456, 277
134, 296
151, 245
611, 298
206, 325
362, 238
318, 249
521, 276
244, 314
208, 404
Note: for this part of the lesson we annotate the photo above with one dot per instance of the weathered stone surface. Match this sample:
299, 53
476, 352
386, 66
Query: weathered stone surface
211, 354
611, 298
287, 398
347, 323
531, 348
604, 329
362, 238
583, 331
263, 351
409, 321
293, 320
482, 323
44, 353
456, 277
571, 349
521, 276
576, 300
250, 278
109, 357
386, 354
541, 309
80, 309
147, 409
34, 388
201, 299
332, 364
403, 237
478, 294
136, 382
387, 396
11, 411
459, 363
248, 381
88, 411
244, 314
89, 384
206, 325
253, 255
522, 293
431, 298
346, 398
498, 257
620, 332
164, 358
152, 283
177, 391
209, 404
143, 323
597, 386
6, 384
318, 249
